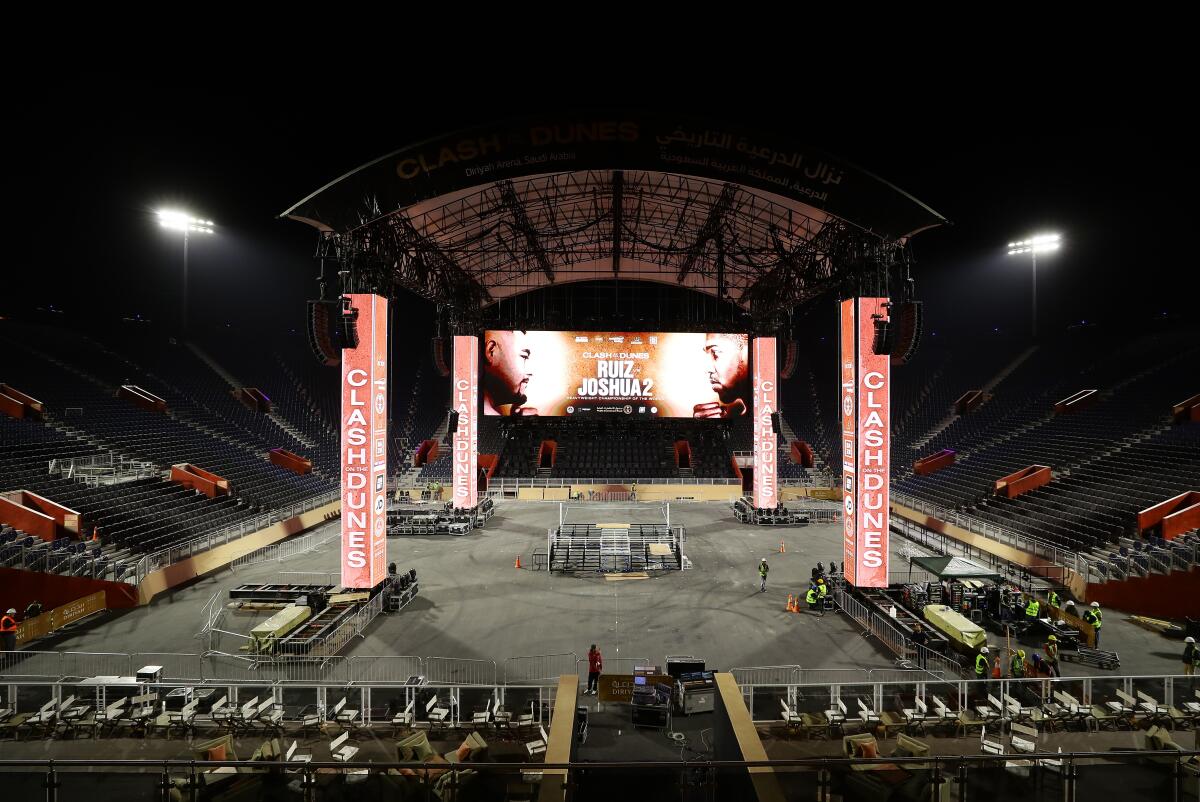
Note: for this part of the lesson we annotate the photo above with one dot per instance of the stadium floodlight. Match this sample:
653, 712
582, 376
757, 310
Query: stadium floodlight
182, 221
1039, 243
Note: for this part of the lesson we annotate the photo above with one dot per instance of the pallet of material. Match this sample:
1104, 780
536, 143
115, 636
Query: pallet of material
623, 577
1171, 630
965, 634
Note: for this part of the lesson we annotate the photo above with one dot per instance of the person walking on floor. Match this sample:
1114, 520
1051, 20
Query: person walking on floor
1052, 656
595, 666
763, 568
1191, 656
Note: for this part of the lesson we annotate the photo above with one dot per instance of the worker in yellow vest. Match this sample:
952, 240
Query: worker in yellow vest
1032, 609
1017, 669
811, 598
1094, 617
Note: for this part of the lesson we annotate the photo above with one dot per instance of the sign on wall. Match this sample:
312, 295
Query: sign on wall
465, 400
766, 404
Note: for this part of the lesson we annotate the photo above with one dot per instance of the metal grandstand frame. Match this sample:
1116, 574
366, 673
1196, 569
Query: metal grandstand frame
746, 246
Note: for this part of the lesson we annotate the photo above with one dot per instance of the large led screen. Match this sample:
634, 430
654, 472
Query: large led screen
629, 373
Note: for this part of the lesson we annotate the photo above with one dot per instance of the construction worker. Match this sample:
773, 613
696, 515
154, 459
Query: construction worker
1051, 648
811, 598
1191, 656
981, 663
1052, 598
1017, 668
1093, 616
822, 588
762, 573
8, 631
1032, 609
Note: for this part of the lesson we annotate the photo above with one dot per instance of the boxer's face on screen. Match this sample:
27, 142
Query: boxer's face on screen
507, 369
728, 373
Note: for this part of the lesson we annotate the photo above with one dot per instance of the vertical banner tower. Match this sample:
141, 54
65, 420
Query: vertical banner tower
364, 447
464, 399
864, 378
766, 404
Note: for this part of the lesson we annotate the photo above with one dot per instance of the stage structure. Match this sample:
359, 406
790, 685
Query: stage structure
865, 435
757, 221
364, 446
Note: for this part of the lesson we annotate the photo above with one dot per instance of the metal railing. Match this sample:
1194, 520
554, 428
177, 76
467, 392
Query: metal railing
460, 671
160, 559
1027, 543
539, 667
513, 483
913, 654
293, 547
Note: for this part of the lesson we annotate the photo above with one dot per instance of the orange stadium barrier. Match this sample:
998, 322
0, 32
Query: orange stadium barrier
293, 462
802, 454
934, 462
33, 628
1176, 515
968, 401
1023, 481
199, 479
38, 516
22, 587
1183, 411
1076, 401
143, 398
16, 404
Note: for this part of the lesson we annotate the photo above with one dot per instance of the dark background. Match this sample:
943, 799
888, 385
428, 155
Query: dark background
94, 159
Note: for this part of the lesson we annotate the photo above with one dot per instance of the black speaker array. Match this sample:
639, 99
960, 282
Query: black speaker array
439, 356
453, 422
882, 343
908, 329
790, 357
348, 327
322, 337
776, 423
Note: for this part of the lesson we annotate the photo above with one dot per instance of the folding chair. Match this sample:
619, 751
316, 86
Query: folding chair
342, 751
294, 756
404, 718
435, 714
538, 747
792, 722
482, 719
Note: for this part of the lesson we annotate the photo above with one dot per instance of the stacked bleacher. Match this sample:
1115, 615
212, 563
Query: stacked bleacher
603, 449
1110, 459
76, 377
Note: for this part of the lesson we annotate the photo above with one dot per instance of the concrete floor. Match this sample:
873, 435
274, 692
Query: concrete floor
475, 604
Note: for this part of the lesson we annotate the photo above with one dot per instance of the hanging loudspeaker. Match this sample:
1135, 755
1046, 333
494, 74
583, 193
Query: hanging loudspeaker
790, 357
453, 424
883, 337
321, 337
348, 326
439, 356
908, 334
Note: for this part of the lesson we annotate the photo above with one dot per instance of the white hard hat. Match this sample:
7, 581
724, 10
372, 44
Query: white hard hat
1189, 639
1095, 604
983, 650
11, 611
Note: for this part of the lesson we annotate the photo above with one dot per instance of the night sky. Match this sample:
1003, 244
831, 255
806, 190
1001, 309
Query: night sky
96, 159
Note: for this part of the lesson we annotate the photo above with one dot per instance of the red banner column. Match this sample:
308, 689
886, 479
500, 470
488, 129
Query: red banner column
865, 412
364, 447
465, 400
766, 404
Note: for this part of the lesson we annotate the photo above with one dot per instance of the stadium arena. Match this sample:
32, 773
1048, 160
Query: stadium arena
615, 453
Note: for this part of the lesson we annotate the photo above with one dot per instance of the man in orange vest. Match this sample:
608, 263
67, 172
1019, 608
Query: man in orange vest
8, 631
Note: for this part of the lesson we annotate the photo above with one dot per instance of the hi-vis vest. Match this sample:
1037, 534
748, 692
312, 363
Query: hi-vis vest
1053, 599
811, 596
822, 590
980, 665
1032, 609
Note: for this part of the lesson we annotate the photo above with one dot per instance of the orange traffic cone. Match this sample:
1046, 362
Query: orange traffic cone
782, 550
790, 603
517, 564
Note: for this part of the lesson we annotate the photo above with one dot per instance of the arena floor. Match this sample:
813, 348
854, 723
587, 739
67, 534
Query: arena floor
474, 604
